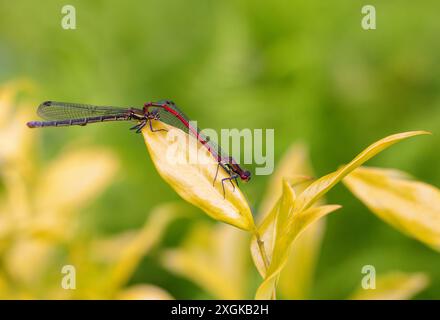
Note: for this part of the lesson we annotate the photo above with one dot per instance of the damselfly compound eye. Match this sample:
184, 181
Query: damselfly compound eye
246, 176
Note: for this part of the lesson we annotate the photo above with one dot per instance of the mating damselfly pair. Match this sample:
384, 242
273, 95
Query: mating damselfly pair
60, 114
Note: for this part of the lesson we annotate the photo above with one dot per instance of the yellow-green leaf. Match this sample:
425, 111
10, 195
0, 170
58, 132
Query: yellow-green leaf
15, 138
214, 257
296, 279
297, 223
266, 234
173, 153
80, 178
271, 226
321, 186
9, 92
132, 253
394, 286
412, 207
27, 259
301, 215
143, 292
294, 167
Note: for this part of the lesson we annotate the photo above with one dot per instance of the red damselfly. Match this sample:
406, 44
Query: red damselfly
60, 114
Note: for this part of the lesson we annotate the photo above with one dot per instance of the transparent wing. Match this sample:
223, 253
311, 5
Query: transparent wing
171, 119
52, 110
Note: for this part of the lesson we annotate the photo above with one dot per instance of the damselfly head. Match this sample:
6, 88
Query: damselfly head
154, 115
245, 176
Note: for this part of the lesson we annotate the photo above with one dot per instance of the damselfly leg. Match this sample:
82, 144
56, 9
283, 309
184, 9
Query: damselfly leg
139, 126
230, 178
155, 130
148, 118
233, 177
216, 173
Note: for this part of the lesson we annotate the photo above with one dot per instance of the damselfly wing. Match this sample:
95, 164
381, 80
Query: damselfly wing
66, 114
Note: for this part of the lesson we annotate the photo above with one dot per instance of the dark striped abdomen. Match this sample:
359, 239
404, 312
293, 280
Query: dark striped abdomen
77, 122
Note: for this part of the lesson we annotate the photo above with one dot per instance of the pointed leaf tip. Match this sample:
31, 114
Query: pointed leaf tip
188, 167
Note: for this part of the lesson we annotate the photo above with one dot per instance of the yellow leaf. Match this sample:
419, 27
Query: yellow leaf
27, 259
411, 207
5, 290
321, 186
190, 170
294, 167
296, 278
15, 138
107, 250
74, 178
271, 227
394, 286
214, 257
300, 215
265, 243
297, 223
129, 256
143, 292
9, 92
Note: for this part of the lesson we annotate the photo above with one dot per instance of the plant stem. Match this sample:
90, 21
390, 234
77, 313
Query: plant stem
263, 254
260, 244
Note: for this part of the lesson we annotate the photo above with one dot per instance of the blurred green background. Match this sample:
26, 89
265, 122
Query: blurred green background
305, 68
